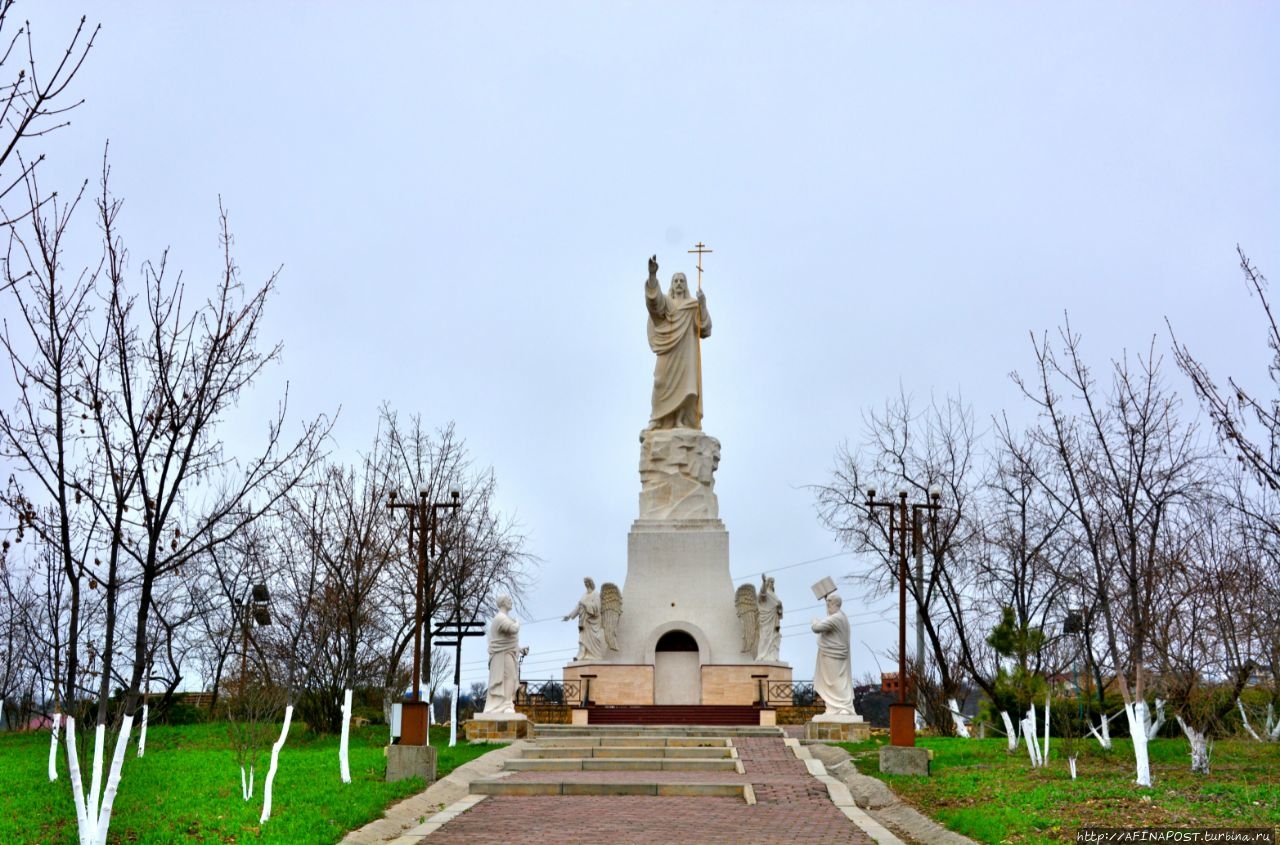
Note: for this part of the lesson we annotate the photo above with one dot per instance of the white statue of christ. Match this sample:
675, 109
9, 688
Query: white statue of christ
677, 321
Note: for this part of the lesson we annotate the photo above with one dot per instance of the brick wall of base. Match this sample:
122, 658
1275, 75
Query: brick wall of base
615, 683
791, 714
736, 684
547, 714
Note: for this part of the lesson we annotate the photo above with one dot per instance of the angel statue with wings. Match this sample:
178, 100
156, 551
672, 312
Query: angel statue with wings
597, 615
761, 618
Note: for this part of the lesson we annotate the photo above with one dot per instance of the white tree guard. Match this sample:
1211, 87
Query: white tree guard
344, 764
95, 785
958, 719
142, 735
1033, 747
1153, 728
1244, 717
275, 762
453, 719
1010, 733
113, 782
53, 747
77, 784
1136, 713
246, 787
1044, 755
1104, 738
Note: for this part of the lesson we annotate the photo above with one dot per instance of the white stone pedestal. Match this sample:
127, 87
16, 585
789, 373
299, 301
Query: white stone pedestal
497, 727
679, 636
837, 727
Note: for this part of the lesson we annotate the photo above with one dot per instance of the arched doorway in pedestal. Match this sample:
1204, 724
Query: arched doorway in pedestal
677, 671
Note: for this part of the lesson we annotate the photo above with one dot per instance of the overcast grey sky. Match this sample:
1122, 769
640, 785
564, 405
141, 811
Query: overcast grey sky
463, 197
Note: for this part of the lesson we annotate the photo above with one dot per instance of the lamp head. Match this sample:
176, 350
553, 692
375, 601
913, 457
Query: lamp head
935, 492
871, 492
455, 494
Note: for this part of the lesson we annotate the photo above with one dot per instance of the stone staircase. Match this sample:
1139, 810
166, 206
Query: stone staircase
627, 760
674, 714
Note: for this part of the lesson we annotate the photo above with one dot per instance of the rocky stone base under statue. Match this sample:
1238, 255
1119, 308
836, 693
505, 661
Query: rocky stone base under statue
497, 727
833, 727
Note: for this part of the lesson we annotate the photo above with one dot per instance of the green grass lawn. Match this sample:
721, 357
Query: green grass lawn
187, 788
978, 789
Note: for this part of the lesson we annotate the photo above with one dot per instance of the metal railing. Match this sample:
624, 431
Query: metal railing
794, 693
550, 691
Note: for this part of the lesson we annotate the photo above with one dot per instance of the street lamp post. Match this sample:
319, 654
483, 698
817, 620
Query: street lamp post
413, 723
902, 719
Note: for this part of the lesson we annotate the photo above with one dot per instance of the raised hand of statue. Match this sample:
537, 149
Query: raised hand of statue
702, 298
653, 266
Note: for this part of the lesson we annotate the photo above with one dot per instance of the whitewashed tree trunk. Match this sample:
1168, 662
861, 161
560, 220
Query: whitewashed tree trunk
113, 782
77, 783
1010, 733
275, 762
1136, 713
1071, 764
53, 747
1200, 748
1153, 729
1273, 724
1244, 717
246, 786
142, 734
95, 785
1103, 738
958, 719
344, 764
1029, 734
1044, 755
94, 818
1033, 747
453, 719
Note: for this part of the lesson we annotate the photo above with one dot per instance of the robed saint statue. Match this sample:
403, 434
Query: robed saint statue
677, 322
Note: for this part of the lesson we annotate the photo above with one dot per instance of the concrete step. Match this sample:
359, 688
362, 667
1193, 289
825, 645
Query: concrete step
572, 787
544, 752
660, 730
650, 741
673, 714
621, 764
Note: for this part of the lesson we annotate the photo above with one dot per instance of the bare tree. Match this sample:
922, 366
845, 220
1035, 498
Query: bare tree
1247, 423
115, 430
912, 450
478, 549
1119, 462
1205, 637
32, 103
44, 435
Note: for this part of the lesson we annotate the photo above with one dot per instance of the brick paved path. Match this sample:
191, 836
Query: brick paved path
792, 809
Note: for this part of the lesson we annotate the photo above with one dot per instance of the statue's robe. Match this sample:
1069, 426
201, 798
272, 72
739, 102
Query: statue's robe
833, 675
769, 640
673, 336
590, 627
504, 665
